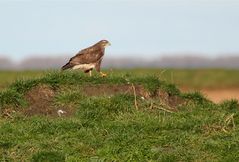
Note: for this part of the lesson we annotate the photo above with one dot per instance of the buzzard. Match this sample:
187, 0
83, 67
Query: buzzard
89, 58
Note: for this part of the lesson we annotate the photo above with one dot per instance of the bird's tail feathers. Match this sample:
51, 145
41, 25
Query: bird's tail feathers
66, 66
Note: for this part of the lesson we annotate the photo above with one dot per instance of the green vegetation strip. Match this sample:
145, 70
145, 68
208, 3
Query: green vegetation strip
189, 78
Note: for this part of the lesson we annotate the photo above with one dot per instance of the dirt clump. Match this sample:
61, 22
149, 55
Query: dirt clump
40, 99
172, 101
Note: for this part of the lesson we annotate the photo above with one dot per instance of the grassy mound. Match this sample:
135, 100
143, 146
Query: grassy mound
118, 118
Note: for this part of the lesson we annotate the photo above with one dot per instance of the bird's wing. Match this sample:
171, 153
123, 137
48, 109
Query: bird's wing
86, 56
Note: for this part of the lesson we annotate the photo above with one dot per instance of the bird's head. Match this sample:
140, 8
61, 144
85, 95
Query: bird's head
104, 43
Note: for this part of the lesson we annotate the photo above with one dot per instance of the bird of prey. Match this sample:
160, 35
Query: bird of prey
89, 58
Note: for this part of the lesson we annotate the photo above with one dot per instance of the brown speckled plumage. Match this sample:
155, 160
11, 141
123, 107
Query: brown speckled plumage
88, 58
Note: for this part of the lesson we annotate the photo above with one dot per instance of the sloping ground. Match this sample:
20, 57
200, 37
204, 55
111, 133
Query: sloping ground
38, 97
73, 117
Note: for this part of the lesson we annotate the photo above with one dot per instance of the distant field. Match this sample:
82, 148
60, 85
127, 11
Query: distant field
7, 77
184, 78
194, 78
216, 84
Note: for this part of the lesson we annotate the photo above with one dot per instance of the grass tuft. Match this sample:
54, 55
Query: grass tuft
231, 105
48, 156
197, 98
11, 98
171, 89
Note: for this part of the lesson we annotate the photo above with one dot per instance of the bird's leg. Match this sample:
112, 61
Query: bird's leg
90, 73
103, 74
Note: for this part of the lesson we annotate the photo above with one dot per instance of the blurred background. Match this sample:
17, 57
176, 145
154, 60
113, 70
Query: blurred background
193, 42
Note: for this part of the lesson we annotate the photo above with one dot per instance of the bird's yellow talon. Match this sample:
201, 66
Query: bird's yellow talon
103, 74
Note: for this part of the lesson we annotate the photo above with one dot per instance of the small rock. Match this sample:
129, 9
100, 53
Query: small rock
60, 112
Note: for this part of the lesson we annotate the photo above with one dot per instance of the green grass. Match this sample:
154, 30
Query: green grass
109, 128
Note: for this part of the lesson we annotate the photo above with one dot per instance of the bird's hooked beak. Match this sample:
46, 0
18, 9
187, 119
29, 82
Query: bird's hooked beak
108, 44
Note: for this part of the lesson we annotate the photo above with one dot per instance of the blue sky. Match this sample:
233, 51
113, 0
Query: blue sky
135, 28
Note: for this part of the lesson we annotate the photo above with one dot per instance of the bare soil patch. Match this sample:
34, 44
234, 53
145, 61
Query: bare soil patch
217, 95
40, 102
